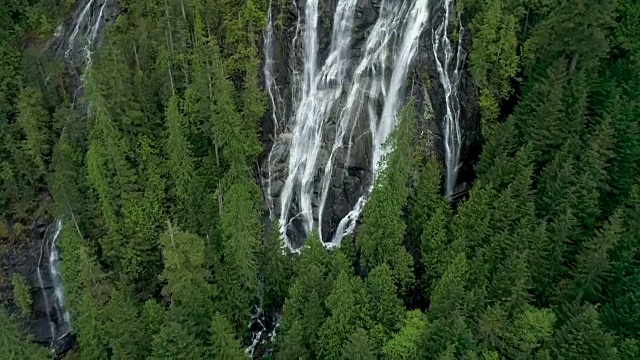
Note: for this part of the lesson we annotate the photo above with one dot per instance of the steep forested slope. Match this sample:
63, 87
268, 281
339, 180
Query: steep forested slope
167, 250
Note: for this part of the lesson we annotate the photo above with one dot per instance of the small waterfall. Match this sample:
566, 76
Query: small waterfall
277, 103
449, 66
87, 25
52, 325
84, 30
330, 100
56, 278
90, 31
59, 319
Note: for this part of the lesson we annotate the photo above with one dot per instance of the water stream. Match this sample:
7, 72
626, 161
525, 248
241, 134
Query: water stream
331, 97
84, 31
449, 65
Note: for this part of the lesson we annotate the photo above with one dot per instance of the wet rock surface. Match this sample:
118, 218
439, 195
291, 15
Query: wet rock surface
351, 176
31, 260
73, 42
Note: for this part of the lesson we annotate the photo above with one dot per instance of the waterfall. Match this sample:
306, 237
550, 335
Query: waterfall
47, 303
85, 29
330, 99
277, 103
54, 259
88, 28
59, 320
449, 67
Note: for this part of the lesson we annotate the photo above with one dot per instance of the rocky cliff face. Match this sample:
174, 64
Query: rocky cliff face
47, 322
72, 43
352, 173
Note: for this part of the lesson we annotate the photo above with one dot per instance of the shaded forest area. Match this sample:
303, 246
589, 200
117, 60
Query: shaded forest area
166, 255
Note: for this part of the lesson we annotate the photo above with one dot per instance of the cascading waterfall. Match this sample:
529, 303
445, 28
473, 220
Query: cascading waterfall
49, 244
86, 27
340, 93
91, 32
449, 67
277, 103
88, 31
56, 279
47, 303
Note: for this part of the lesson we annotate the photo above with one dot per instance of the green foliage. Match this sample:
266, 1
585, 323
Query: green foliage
494, 55
22, 294
345, 306
14, 346
164, 255
583, 337
224, 346
241, 233
275, 266
358, 347
407, 344
380, 240
34, 121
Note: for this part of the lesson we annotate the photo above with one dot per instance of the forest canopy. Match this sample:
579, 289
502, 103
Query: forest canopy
168, 253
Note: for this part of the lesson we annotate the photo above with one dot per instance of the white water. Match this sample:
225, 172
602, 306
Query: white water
340, 91
54, 260
277, 103
78, 22
52, 326
88, 30
449, 76
64, 324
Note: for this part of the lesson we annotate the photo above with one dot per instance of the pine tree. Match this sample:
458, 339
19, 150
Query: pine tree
304, 310
276, 270
621, 312
380, 239
358, 347
408, 343
13, 345
174, 341
449, 331
180, 163
125, 333
540, 114
583, 337
224, 346
530, 333
34, 121
434, 247
592, 263
241, 233
386, 307
345, 316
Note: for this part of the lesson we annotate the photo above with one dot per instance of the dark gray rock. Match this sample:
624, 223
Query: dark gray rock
25, 259
351, 175
30, 259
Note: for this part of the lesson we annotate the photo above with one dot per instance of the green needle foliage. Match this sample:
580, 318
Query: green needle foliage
165, 250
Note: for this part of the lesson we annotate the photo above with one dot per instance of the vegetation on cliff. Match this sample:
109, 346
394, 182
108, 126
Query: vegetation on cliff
165, 252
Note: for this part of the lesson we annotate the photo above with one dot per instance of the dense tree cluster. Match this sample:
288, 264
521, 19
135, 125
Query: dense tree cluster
166, 255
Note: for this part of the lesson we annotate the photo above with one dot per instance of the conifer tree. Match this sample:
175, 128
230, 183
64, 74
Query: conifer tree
583, 337
13, 345
34, 121
241, 234
408, 343
386, 308
276, 270
180, 163
358, 347
345, 316
380, 239
224, 346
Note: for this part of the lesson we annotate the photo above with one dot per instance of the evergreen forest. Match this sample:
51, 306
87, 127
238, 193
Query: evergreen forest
168, 250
